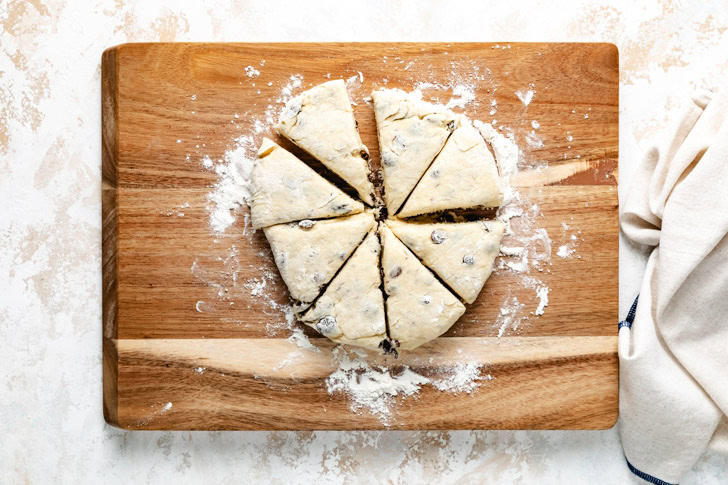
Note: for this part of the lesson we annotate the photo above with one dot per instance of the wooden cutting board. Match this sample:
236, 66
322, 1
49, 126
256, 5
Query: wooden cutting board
169, 364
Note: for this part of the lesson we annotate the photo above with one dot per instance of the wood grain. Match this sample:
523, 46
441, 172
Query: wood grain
547, 382
559, 370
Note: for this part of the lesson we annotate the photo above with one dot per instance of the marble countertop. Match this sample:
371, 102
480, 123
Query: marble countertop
51, 425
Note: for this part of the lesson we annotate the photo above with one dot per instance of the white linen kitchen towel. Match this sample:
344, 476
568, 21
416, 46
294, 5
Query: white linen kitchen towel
673, 351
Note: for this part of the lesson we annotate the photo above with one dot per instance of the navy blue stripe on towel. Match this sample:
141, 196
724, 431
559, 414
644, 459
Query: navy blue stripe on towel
644, 476
630, 316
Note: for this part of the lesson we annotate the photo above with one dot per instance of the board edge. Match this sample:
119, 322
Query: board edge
109, 230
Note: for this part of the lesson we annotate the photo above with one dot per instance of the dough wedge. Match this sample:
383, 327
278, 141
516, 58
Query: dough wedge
462, 254
284, 189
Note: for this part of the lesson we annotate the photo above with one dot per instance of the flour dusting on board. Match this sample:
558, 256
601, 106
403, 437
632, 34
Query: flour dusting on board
526, 247
372, 388
232, 189
377, 389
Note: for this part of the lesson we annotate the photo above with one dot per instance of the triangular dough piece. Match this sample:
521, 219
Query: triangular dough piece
309, 253
419, 308
321, 121
351, 310
462, 254
285, 189
411, 133
463, 176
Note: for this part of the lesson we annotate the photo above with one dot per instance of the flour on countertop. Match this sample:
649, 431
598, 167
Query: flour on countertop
294, 82
565, 251
373, 388
542, 293
462, 82
534, 140
176, 211
300, 339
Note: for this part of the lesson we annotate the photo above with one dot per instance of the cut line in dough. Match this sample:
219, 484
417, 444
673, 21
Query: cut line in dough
351, 309
462, 254
284, 189
463, 176
321, 122
309, 253
419, 307
411, 133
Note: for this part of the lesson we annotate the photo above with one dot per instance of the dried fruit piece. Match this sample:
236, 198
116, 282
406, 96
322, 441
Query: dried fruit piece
438, 237
306, 224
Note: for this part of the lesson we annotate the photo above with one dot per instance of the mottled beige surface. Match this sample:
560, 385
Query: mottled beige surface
51, 426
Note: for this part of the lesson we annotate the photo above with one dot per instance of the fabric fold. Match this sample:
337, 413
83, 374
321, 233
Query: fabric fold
673, 359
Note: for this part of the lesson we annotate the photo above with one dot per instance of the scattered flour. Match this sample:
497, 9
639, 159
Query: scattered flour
461, 83
294, 82
512, 251
461, 377
528, 246
463, 95
376, 388
510, 316
565, 251
232, 189
534, 140
199, 370
252, 72
300, 339
573, 241
525, 96
176, 211
371, 387
543, 296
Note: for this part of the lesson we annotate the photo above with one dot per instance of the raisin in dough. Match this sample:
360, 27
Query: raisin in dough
351, 310
285, 189
411, 133
419, 308
463, 176
321, 121
462, 254
308, 253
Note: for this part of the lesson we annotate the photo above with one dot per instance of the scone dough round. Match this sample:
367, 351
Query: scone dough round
397, 283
